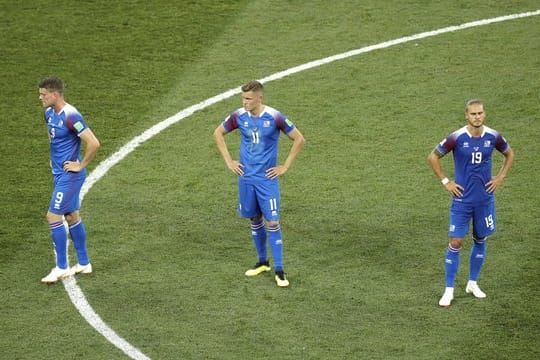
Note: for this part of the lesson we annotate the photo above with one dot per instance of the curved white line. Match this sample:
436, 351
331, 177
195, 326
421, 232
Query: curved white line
79, 300
75, 293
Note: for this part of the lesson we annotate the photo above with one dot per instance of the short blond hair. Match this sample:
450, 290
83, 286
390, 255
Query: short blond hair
253, 86
474, 102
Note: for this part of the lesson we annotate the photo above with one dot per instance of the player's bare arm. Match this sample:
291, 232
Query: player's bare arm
91, 147
234, 165
434, 160
498, 179
298, 142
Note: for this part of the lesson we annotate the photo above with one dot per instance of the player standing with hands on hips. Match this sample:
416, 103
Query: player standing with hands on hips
258, 172
472, 192
67, 129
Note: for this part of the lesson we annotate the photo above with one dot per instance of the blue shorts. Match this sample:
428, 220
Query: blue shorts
483, 218
259, 198
65, 195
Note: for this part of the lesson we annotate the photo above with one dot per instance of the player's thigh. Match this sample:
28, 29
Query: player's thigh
247, 200
65, 196
269, 199
485, 220
459, 220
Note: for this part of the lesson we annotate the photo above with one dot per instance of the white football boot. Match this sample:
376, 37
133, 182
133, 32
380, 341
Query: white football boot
82, 269
472, 288
55, 275
447, 297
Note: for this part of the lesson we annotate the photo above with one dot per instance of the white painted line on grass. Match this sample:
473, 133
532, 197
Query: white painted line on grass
75, 293
77, 297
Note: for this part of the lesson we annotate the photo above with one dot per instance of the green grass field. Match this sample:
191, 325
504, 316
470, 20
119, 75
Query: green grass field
364, 219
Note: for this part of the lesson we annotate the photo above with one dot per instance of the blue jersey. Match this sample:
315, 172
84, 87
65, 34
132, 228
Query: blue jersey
472, 161
259, 139
64, 131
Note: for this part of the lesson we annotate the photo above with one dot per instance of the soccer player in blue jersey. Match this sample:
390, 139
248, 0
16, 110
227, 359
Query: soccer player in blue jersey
258, 172
472, 192
67, 130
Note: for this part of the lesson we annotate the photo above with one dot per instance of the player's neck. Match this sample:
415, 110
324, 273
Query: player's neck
475, 131
257, 111
59, 105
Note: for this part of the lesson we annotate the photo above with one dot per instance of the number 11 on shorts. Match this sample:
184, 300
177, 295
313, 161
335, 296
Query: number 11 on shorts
273, 204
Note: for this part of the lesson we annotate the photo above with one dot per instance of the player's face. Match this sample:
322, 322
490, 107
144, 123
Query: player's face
251, 101
475, 115
48, 98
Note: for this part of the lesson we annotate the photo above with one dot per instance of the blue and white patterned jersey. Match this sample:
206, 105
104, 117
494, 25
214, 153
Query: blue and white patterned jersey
64, 131
259, 139
472, 161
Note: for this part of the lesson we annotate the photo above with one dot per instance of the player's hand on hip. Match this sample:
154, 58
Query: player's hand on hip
72, 166
455, 189
276, 171
493, 184
236, 167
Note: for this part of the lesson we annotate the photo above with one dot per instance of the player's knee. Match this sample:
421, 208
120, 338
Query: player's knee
456, 243
51, 217
272, 223
72, 218
478, 239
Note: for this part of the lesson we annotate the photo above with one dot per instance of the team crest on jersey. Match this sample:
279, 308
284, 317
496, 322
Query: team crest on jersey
266, 123
487, 143
465, 144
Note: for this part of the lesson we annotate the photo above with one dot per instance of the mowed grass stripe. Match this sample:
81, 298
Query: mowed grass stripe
103, 168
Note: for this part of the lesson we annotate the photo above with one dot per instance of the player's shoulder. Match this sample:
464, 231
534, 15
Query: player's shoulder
459, 133
490, 131
69, 109
237, 113
273, 112
270, 113
449, 142
70, 114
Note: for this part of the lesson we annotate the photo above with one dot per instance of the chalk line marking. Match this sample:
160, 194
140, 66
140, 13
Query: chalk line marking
74, 291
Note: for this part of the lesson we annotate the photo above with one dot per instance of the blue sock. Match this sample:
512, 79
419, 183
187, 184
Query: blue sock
478, 254
78, 235
59, 238
276, 245
451, 265
258, 232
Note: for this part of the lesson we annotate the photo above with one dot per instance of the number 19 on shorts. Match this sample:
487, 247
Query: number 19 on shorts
489, 221
58, 200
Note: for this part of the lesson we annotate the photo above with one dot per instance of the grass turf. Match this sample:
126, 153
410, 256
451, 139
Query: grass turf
363, 218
